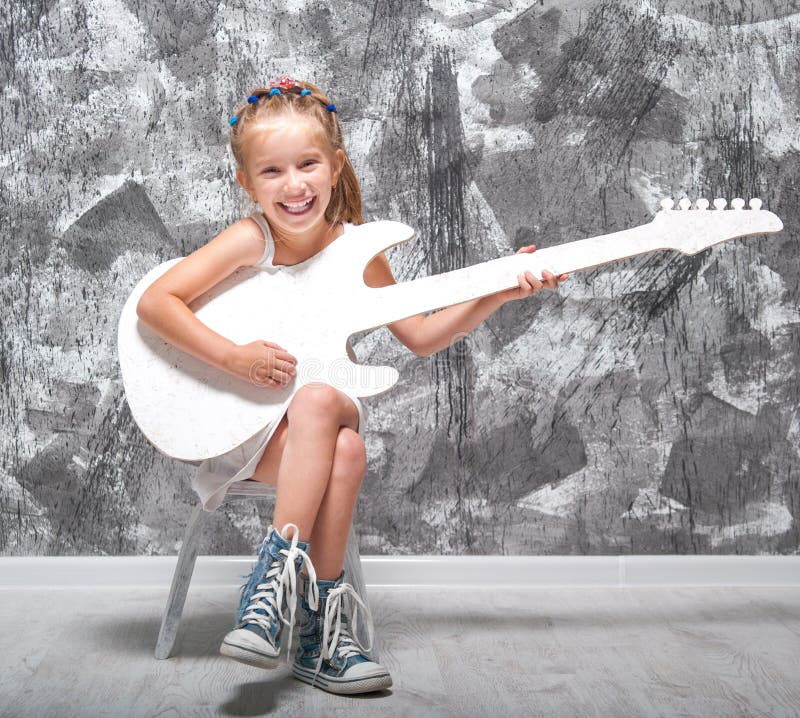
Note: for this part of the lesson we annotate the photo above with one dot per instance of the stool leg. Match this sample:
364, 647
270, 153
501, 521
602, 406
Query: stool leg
355, 577
180, 584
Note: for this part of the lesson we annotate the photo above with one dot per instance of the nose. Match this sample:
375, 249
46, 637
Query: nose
294, 181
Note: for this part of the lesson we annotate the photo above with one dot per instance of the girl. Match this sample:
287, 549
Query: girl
288, 146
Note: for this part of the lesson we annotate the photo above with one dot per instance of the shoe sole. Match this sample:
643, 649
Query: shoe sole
343, 686
248, 655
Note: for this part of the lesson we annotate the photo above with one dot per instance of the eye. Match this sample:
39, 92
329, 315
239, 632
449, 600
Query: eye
308, 163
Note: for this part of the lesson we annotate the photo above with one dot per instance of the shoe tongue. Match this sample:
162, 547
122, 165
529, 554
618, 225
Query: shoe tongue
274, 542
325, 586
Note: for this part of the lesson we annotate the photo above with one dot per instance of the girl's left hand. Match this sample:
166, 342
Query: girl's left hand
528, 283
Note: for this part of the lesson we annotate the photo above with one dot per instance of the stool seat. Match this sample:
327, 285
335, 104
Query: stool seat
239, 490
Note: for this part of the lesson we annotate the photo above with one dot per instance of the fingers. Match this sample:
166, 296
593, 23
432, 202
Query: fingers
280, 353
276, 367
528, 282
272, 376
262, 374
283, 357
279, 350
549, 280
283, 370
529, 249
287, 369
277, 376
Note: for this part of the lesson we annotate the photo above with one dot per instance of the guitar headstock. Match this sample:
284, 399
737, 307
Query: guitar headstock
691, 229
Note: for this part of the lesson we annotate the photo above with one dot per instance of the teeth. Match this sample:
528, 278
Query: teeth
295, 206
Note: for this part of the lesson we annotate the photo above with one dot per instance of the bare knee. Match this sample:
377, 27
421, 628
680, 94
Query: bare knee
315, 401
350, 457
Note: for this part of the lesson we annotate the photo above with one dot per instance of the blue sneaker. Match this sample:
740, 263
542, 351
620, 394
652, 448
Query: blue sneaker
271, 586
329, 656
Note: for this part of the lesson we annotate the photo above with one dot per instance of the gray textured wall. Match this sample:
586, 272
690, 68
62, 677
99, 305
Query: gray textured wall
648, 407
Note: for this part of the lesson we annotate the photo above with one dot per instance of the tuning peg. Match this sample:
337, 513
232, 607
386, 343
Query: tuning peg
685, 203
702, 203
737, 203
667, 204
755, 203
720, 203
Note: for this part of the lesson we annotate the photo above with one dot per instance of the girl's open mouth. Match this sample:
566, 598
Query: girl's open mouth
298, 208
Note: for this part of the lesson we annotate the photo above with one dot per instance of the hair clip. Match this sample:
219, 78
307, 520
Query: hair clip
253, 99
303, 93
284, 82
274, 91
331, 107
233, 121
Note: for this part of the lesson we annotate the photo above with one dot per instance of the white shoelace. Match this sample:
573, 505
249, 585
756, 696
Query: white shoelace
271, 597
337, 639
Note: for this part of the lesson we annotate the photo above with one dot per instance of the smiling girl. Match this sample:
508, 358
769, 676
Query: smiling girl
288, 146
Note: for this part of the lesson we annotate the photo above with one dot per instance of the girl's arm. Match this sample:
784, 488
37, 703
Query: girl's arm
164, 308
426, 335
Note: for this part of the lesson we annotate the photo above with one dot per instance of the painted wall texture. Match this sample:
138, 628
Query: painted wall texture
650, 406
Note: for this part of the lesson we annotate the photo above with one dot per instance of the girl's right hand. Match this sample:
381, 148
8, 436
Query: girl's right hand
262, 363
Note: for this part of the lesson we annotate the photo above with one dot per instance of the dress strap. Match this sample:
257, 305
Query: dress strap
269, 243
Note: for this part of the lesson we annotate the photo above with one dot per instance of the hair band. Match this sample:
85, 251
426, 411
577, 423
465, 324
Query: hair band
284, 82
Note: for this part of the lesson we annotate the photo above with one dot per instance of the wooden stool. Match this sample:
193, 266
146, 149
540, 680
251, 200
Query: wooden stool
248, 489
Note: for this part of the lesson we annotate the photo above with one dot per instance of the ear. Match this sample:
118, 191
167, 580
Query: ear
244, 180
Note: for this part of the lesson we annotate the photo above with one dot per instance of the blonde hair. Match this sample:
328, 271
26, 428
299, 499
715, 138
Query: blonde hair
345, 203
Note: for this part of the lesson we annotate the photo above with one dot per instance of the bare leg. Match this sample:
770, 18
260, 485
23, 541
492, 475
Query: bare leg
335, 515
301, 443
317, 459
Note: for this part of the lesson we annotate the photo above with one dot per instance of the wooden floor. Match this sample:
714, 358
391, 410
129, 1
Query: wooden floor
536, 652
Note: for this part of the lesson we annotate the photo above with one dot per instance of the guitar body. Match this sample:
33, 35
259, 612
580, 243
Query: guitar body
192, 411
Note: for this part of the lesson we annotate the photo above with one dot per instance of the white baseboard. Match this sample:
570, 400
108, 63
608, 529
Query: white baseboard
403, 572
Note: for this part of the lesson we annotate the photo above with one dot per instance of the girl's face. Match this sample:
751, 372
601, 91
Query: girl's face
290, 172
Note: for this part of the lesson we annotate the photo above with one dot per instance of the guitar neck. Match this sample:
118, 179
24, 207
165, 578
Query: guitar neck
398, 301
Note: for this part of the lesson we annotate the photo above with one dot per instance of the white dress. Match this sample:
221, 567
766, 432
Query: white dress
215, 475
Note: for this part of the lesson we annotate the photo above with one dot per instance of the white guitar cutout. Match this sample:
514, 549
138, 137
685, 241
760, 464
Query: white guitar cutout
192, 411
